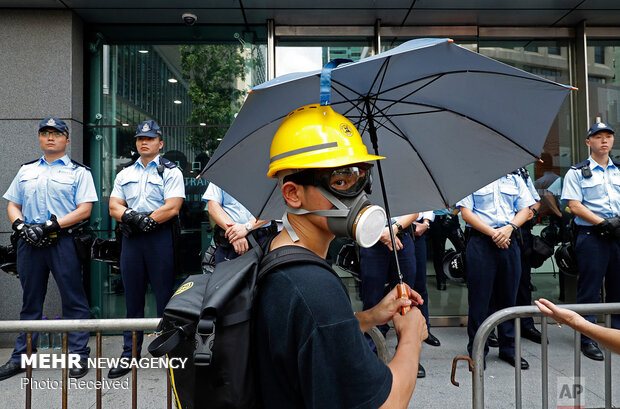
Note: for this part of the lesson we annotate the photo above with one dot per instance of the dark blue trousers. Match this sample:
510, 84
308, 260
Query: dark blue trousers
33, 267
420, 274
597, 258
146, 258
524, 294
378, 267
224, 254
492, 279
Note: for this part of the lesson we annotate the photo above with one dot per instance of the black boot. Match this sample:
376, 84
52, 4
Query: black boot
121, 369
10, 369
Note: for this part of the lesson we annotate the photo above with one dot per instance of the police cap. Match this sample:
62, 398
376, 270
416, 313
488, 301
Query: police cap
54, 123
148, 128
598, 127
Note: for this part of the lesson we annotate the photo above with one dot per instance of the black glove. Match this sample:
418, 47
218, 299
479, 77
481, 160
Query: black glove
131, 217
147, 224
42, 234
608, 228
140, 221
19, 226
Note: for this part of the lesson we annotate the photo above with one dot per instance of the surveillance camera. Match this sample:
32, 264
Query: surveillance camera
189, 19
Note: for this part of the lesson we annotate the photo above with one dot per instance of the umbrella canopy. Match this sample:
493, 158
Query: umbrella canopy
447, 119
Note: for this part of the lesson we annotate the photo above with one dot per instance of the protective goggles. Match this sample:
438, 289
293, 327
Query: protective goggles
346, 181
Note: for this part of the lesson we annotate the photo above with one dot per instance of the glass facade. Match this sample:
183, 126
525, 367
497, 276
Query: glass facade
307, 56
604, 86
549, 59
193, 92
177, 86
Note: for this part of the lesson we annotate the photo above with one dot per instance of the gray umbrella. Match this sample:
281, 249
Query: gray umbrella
448, 121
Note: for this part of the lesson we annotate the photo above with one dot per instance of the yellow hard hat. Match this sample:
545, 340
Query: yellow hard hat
316, 136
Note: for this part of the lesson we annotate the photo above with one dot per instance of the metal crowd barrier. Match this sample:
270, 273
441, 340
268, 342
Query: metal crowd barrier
64, 326
476, 362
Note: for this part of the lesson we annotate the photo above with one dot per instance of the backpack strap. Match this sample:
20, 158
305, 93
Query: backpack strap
168, 340
290, 255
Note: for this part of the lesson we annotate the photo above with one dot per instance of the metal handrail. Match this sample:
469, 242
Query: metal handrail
65, 326
517, 313
119, 324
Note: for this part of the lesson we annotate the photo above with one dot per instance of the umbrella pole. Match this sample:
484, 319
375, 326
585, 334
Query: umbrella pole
402, 293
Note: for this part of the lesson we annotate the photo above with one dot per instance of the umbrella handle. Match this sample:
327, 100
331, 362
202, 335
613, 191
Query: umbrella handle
402, 293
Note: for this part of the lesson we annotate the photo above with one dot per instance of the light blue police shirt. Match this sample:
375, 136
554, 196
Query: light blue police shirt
237, 212
144, 189
43, 189
599, 193
497, 203
532, 189
556, 187
430, 215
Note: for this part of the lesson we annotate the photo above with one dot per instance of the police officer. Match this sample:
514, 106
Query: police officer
592, 189
493, 214
46, 197
524, 293
445, 226
146, 199
378, 267
421, 227
233, 221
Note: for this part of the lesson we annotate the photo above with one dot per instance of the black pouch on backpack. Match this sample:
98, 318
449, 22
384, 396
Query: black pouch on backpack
209, 321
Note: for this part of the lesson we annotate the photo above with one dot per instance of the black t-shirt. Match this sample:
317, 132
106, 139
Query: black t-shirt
311, 351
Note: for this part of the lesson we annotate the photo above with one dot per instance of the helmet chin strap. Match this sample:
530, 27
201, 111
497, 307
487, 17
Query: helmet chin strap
341, 210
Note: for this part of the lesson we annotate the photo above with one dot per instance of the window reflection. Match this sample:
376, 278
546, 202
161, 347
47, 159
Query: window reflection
193, 92
604, 85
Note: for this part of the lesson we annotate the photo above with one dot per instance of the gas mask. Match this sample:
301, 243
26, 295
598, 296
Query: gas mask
353, 215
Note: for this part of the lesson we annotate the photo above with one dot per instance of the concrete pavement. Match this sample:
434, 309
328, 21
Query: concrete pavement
434, 391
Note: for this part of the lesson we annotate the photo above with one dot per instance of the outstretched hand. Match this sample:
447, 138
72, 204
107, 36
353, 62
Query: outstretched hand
561, 315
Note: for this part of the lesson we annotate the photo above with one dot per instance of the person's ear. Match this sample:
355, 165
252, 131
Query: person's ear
292, 194
588, 141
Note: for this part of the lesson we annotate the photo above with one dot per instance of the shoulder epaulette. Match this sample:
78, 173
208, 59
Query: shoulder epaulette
79, 164
130, 163
167, 163
581, 164
31, 162
584, 167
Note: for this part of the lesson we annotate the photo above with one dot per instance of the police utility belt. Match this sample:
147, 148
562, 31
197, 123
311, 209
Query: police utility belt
81, 234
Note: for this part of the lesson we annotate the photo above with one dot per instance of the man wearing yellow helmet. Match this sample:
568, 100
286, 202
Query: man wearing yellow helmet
311, 348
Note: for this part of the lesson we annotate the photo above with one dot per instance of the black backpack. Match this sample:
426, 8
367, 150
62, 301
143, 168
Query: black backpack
209, 321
